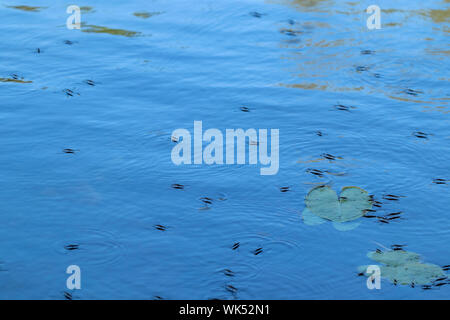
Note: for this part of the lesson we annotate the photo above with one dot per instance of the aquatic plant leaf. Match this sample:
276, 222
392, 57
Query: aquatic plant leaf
345, 226
403, 267
117, 32
352, 204
412, 273
311, 219
394, 257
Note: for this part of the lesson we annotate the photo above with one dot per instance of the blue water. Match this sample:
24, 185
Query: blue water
291, 63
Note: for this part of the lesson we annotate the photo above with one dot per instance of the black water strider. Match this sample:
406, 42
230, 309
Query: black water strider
412, 92
206, 200
329, 156
391, 197
315, 172
258, 251
362, 68
71, 247
394, 214
440, 181
178, 186
68, 295
228, 273
421, 135
231, 288
256, 14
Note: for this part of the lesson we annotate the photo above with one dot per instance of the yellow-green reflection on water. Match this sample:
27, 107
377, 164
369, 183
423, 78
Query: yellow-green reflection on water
116, 32
27, 8
87, 9
14, 80
146, 15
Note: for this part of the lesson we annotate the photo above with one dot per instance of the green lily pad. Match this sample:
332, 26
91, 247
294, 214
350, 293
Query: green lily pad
394, 257
352, 204
417, 273
403, 267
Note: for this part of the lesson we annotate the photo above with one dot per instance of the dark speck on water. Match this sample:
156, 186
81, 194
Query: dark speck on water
235, 246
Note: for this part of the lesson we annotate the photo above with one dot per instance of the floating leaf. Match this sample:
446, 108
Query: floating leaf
403, 267
413, 273
394, 257
352, 204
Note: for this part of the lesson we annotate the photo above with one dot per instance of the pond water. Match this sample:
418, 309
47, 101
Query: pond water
87, 118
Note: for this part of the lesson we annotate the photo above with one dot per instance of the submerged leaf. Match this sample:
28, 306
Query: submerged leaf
345, 226
311, 219
352, 204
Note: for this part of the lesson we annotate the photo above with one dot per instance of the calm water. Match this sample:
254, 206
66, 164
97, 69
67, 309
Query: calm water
378, 100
